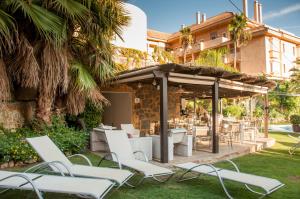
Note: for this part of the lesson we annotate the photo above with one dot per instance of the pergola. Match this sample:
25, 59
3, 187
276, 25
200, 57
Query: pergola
213, 82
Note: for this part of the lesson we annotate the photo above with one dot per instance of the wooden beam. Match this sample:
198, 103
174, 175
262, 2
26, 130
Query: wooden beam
133, 79
266, 116
215, 104
164, 149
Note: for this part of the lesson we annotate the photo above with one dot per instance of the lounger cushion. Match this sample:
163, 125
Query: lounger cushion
147, 168
58, 184
117, 175
268, 184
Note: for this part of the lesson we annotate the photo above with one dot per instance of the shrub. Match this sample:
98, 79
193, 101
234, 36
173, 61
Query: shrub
234, 111
89, 119
13, 146
295, 119
92, 115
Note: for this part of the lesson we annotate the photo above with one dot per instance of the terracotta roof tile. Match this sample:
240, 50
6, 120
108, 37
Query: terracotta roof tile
157, 34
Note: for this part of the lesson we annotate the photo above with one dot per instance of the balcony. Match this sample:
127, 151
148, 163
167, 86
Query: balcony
214, 43
203, 45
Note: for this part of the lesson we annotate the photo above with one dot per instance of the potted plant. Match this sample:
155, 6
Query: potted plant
295, 120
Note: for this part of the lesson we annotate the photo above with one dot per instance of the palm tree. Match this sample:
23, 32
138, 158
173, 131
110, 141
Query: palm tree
60, 48
186, 41
239, 34
214, 58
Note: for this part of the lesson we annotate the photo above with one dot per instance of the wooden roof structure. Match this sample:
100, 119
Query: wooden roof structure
197, 80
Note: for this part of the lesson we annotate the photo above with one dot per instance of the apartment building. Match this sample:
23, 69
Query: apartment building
271, 51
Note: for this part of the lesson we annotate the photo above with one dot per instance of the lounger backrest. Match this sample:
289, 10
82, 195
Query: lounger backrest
119, 143
48, 151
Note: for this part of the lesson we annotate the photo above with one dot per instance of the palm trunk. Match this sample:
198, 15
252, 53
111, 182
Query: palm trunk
184, 56
43, 109
234, 59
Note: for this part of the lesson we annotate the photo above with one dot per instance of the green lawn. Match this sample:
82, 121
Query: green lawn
274, 162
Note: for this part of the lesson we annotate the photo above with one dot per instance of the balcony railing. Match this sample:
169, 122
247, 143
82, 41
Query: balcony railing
203, 45
215, 42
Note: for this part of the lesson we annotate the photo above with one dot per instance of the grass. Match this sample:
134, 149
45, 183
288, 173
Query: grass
274, 163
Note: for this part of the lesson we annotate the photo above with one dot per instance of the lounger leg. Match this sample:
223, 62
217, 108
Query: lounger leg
163, 181
137, 184
181, 178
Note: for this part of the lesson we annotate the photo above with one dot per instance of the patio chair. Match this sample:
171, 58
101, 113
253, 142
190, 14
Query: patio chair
269, 185
295, 146
83, 187
119, 144
129, 128
49, 152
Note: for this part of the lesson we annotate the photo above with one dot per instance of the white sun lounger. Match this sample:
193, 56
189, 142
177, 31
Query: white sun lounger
95, 188
269, 185
120, 147
49, 152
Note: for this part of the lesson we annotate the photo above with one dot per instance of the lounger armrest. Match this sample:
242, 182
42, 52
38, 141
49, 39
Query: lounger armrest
28, 180
83, 157
234, 165
144, 155
55, 164
111, 154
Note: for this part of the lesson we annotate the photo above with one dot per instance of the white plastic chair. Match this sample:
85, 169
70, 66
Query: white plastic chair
49, 152
119, 144
95, 188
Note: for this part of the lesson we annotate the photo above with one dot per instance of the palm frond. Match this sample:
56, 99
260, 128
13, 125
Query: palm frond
5, 85
54, 62
24, 67
49, 25
7, 30
83, 79
71, 8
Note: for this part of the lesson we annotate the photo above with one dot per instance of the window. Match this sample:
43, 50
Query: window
283, 47
224, 34
213, 35
284, 68
294, 51
271, 67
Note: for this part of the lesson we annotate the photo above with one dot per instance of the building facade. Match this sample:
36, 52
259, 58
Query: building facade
271, 51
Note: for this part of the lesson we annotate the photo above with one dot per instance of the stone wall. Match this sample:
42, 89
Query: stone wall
147, 110
14, 114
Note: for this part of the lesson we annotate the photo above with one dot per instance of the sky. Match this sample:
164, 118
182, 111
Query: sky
168, 15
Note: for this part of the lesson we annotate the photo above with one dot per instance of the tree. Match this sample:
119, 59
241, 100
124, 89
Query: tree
295, 78
239, 34
214, 58
186, 40
60, 48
